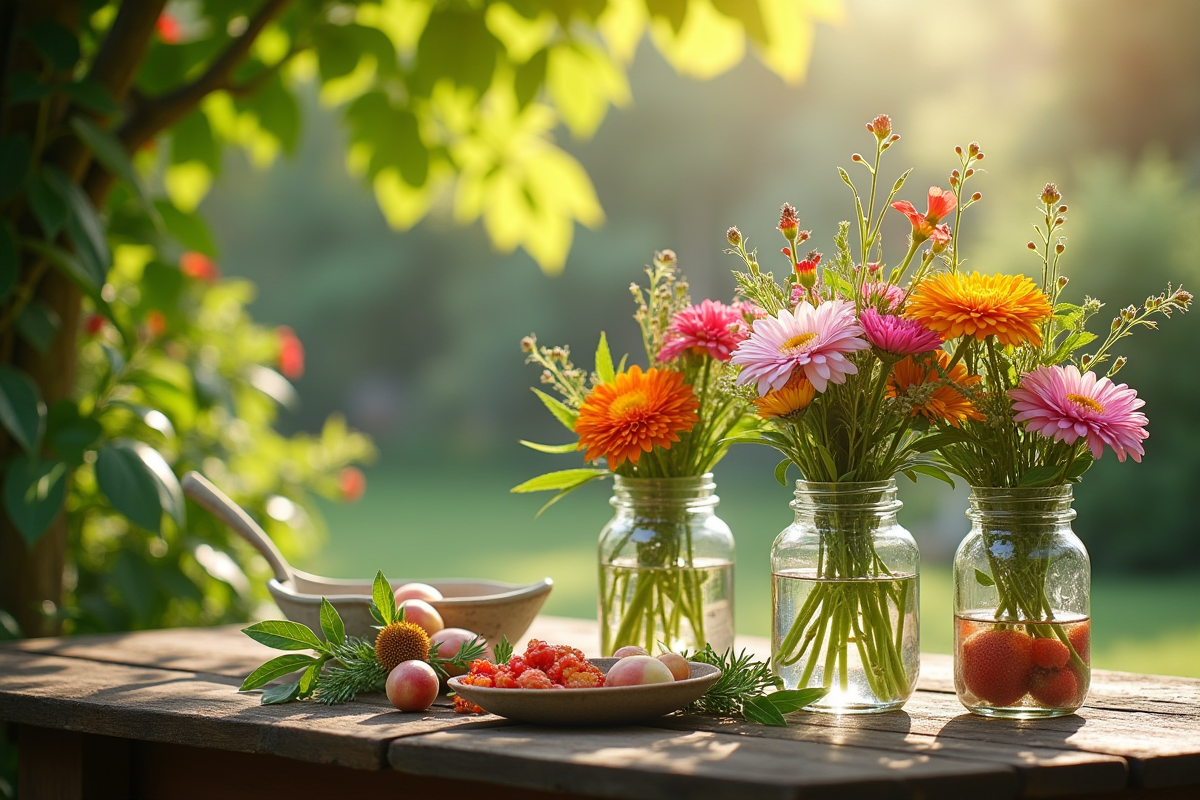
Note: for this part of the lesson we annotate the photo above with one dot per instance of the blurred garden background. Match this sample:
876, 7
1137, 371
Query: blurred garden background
414, 336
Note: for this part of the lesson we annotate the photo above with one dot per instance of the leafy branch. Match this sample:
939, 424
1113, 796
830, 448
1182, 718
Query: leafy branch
743, 689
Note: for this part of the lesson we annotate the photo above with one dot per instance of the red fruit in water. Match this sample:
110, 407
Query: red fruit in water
1081, 639
1050, 653
1054, 688
995, 665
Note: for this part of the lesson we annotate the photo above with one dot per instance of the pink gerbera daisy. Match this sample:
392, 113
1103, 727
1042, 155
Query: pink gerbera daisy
712, 328
874, 291
1062, 403
898, 335
807, 338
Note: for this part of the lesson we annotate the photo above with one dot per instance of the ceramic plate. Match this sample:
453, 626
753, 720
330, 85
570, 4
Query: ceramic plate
608, 705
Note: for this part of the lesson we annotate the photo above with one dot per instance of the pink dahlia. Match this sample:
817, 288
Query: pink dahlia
1064, 404
899, 336
712, 328
811, 339
874, 291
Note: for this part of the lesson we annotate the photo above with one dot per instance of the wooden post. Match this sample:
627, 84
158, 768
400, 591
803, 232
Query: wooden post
65, 765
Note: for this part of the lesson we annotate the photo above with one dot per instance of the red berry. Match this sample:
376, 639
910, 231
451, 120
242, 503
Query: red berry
1080, 636
995, 665
352, 484
1055, 688
534, 679
1050, 653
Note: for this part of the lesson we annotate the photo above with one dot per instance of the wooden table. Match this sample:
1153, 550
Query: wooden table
156, 714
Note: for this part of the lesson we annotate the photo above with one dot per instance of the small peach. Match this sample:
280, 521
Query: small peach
417, 591
630, 650
412, 686
449, 641
677, 664
422, 614
637, 671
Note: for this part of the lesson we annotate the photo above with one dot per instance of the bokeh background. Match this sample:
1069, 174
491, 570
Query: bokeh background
414, 336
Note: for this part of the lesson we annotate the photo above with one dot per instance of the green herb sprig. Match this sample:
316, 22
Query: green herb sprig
743, 689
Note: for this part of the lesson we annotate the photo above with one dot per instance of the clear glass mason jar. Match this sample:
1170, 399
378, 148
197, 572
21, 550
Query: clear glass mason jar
1022, 625
666, 567
845, 598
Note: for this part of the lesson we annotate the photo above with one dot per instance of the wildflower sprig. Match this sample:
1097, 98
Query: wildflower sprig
749, 688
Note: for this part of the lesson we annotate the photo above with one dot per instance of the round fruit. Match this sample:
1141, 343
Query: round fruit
630, 650
1081, 639
677, 664
417, 591
1054, 688
1050, 653
637, 671
412, 686
449, 641
421, 613
995, 665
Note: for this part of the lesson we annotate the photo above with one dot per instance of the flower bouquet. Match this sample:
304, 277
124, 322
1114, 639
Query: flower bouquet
832, 363
666, 559
1040, 416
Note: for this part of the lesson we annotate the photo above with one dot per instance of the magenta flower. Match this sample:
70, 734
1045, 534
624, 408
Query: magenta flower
712, 328
898, 336
811, 339
1062, 403
874, 291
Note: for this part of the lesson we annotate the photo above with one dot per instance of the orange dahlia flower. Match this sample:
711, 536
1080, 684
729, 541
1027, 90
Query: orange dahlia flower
945, 402
954, 304
794, 396
635, 413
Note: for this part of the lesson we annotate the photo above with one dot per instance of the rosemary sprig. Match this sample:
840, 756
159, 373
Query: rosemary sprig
467, 652
743, 689
360, 672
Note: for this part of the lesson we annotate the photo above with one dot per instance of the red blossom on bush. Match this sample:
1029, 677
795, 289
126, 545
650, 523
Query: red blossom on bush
352, 484
169, 30
291, 353
94, 324
941, 202
199, 266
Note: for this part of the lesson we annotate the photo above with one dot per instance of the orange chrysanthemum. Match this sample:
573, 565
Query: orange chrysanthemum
945, 402
793, 396
636, 412
1008, 307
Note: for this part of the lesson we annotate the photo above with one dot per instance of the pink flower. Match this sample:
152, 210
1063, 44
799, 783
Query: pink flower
941, 202
712, 328
811, 339
898, 336
1062, 403
878, 290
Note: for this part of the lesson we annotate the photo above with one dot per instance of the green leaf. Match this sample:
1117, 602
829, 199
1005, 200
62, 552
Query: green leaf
564, 479
1040, 476
781, 471
1080, 465
933, 472
69, 434
763, 711
569, 447
151, 417
48, 207
673, 11
38, 324
282, 634
530, 77
561, 412
278, 112
749, 14
331, 623
276, 668
284, 693
827, 460
139, 483
24, 87
384, 598
81, 276
84, 228
22, 412
308, 681
34, 490
14, 164
393, 136
604, 362
111, 153
89, 94
8, 261
55, 43
503, 651
789, 700
456, 45
193, 140
983, 578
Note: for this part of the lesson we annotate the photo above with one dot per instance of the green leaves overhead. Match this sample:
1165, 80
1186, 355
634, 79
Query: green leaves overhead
34, 490
139, 483
54, 43
392, 135
456, 45
22, 411
84, 227
48, 206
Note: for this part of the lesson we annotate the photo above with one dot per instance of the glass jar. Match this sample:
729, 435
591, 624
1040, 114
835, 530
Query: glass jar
845, 598
666, 567
1022, 626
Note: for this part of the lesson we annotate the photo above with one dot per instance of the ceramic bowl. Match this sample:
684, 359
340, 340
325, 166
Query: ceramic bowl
608, 705
490, 608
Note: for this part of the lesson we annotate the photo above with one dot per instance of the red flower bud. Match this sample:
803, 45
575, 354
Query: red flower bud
94, 324
352, 484
199, 266
156, 322
881, 126
789, 222
291, 353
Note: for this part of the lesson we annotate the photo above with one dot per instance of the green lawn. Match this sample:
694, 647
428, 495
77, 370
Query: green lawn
448, 524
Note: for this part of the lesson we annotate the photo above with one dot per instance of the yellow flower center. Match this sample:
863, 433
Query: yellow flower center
1086, 403
797, 343
626, 403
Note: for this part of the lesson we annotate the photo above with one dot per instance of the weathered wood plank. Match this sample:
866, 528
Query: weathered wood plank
660, 765
186, 708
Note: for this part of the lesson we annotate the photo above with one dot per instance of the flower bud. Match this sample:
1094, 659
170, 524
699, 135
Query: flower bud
1058, 248
975, 198
1031, 245
789, 222
881, 126
806, 270
954, 173
1152, 303
895, 138
787, 251
803, 236
957, 150
547, 376
1050, 194
1084, 360
1116, 367
979, 157
1063, 280
1182, 298
1116, 323
665, 257
1059, 220
1129, 312
973, 149
970, 172
873, 268
856, 157
528, 344
733, 236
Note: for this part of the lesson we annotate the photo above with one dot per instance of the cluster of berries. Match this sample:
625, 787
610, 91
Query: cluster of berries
542, 666
1000, 665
